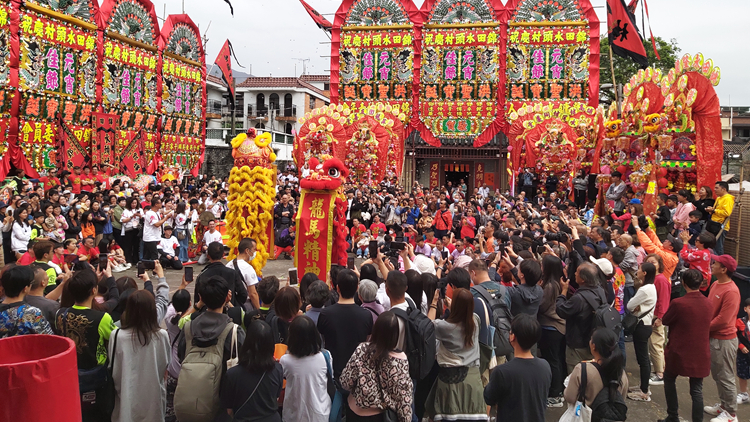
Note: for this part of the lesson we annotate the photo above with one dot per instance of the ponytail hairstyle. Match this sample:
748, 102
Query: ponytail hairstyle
181, 303
605, 341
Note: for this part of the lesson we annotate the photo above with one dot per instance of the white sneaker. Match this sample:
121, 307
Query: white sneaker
743, 398
118, 268
127, 265
725, 417
714, 410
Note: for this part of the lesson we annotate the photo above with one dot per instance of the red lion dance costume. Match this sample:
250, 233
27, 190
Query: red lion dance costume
321, 219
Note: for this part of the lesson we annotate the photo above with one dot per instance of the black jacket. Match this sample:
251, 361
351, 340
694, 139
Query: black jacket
579, 315
232, 277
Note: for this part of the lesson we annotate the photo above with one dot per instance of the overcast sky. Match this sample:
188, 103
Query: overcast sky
271, 34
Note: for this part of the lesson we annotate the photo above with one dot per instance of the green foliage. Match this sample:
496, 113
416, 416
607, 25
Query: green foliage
625, 67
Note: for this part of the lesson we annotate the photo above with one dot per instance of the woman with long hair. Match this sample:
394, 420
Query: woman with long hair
552, 342
377, 375
87, 225
130, 219
250, 390
705, 199
181, 230
140, 390
642, 306
74, 225
20, 232
458, 392
606, 371
306, 373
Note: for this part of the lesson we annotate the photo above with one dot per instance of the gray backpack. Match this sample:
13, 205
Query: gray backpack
196, 398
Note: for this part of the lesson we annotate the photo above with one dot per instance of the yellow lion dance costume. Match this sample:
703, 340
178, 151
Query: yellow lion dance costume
251, 194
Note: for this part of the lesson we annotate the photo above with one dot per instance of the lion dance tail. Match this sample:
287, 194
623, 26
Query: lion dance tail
251, 199
339, 226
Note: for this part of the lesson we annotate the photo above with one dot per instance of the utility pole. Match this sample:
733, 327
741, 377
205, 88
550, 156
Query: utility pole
304, 65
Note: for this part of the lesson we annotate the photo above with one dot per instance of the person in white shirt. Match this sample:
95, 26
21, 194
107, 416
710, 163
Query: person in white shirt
152, 223
246, 252
168, 255
212, 235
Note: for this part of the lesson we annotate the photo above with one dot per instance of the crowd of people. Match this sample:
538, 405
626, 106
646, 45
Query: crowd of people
467, 306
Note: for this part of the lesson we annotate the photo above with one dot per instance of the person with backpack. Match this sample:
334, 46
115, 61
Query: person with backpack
90, 329
246, 252
306, 372
552, 341
205, 345
519, 388
642, 306
377, 376
605, 380
216, 268
688, 352
344, 325
579, 312
457, 393
368, 291
494, 298
141, 390
250, 390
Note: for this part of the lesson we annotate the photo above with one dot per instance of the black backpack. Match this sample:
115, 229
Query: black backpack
609, 405
605, 315
501, 317
419, 340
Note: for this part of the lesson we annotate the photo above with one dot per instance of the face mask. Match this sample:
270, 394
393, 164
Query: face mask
252, 257
78, 206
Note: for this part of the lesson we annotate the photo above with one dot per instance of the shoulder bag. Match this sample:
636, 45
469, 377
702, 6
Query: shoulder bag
630, 321
578, 412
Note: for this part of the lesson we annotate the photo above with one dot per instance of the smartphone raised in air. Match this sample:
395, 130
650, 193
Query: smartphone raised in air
188, 274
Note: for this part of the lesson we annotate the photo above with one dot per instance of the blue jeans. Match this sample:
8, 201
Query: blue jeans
621, 343
628, 293
719, 248
182, 253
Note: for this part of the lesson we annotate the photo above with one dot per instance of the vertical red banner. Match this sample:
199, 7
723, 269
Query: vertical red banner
479, 175
314, 240
103, 149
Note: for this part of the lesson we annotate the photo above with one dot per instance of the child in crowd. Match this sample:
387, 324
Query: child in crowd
743, 355
363, 249
695, 227
699, 257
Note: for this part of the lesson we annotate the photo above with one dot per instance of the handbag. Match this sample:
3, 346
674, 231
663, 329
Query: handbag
334, 391
181, 234
714, 227
232, 361
578, 412
631, 321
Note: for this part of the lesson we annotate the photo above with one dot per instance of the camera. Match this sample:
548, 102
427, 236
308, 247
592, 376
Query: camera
556, 237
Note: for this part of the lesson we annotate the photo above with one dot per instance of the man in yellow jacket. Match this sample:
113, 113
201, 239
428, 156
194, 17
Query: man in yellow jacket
720, 212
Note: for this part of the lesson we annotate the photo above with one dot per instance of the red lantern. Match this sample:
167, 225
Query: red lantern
622, 169
662, 182
665, 191
662, 172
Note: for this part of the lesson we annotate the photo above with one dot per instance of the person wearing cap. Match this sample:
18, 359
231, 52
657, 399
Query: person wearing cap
616, 191
166, 247
725, 298
668, 250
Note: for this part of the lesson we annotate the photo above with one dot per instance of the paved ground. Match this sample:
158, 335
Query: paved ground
637, 411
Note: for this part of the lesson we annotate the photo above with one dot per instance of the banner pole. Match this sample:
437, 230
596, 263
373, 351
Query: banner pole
614, 82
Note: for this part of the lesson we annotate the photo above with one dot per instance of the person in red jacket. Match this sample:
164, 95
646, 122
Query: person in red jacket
699, 257
725, 298
687, 353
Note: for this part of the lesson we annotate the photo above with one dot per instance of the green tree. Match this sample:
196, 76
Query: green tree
625, 67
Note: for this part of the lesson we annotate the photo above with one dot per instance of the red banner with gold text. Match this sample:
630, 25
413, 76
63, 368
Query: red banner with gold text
314, 239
